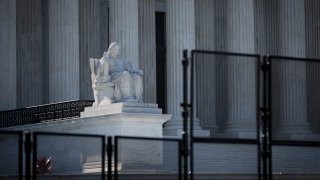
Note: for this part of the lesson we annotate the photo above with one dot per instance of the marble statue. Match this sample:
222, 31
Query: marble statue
114, 79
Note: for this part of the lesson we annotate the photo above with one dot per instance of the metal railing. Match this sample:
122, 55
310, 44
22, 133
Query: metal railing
236, 57
64, 155
268, 70
47, 112
307, 70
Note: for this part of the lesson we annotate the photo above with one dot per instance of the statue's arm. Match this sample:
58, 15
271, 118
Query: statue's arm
131, 70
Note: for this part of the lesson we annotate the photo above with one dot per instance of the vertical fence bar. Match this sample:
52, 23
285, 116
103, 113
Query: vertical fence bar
185, 113
191, 114
103, 149
34, 156
263, 119
258, 115
20, 151
27, 147
109, 154
269, 119
115, 158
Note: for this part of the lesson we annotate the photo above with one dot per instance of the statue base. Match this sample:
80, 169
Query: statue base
131, 119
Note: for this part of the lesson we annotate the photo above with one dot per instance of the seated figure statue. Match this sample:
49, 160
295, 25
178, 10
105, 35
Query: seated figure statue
114, 79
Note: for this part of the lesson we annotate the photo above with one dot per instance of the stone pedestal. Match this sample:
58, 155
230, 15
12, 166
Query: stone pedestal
132, 119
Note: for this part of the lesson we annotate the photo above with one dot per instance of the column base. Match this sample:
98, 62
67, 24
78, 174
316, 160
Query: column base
174, 128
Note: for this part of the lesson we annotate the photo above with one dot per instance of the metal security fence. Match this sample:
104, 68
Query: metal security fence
267, 107
48, 155
224, 91
293, 117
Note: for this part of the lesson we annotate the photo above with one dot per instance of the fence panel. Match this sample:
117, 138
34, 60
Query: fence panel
147, 158
221, 159
11, 154
59, 155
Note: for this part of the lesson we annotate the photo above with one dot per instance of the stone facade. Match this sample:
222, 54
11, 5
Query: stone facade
46, 46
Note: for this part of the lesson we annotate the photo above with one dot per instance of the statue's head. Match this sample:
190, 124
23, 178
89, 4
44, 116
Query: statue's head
113, 50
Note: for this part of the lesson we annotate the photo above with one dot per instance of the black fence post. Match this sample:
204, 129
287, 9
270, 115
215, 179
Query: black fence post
185, 114
27, 147
103, 157
258, 115
115, 158
269, 113
20, 168
109, 154
265, 118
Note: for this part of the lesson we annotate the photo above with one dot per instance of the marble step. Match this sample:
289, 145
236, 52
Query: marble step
122, 105
121, 108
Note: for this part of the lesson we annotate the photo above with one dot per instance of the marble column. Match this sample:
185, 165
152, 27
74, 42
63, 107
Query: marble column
180, 36
147, 44
29, 53
241, 72
123, 28
8, 58
63, 50
89, 42
313, 69
205, 65
289, 77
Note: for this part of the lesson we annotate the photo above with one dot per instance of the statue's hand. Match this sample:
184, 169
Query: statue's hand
139, 72
96, 86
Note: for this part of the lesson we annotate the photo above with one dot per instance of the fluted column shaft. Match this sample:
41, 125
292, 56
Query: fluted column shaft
63, 50
89, 33
205, 64
180, 36
8, 59
241, 74
147, 44
289, 92
29, 53
124, 28
313, 69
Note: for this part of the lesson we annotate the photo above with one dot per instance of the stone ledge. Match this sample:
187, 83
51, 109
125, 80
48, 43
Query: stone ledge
124, 107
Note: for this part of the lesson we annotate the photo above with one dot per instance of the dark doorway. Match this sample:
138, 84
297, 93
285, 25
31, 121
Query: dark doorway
161, 60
